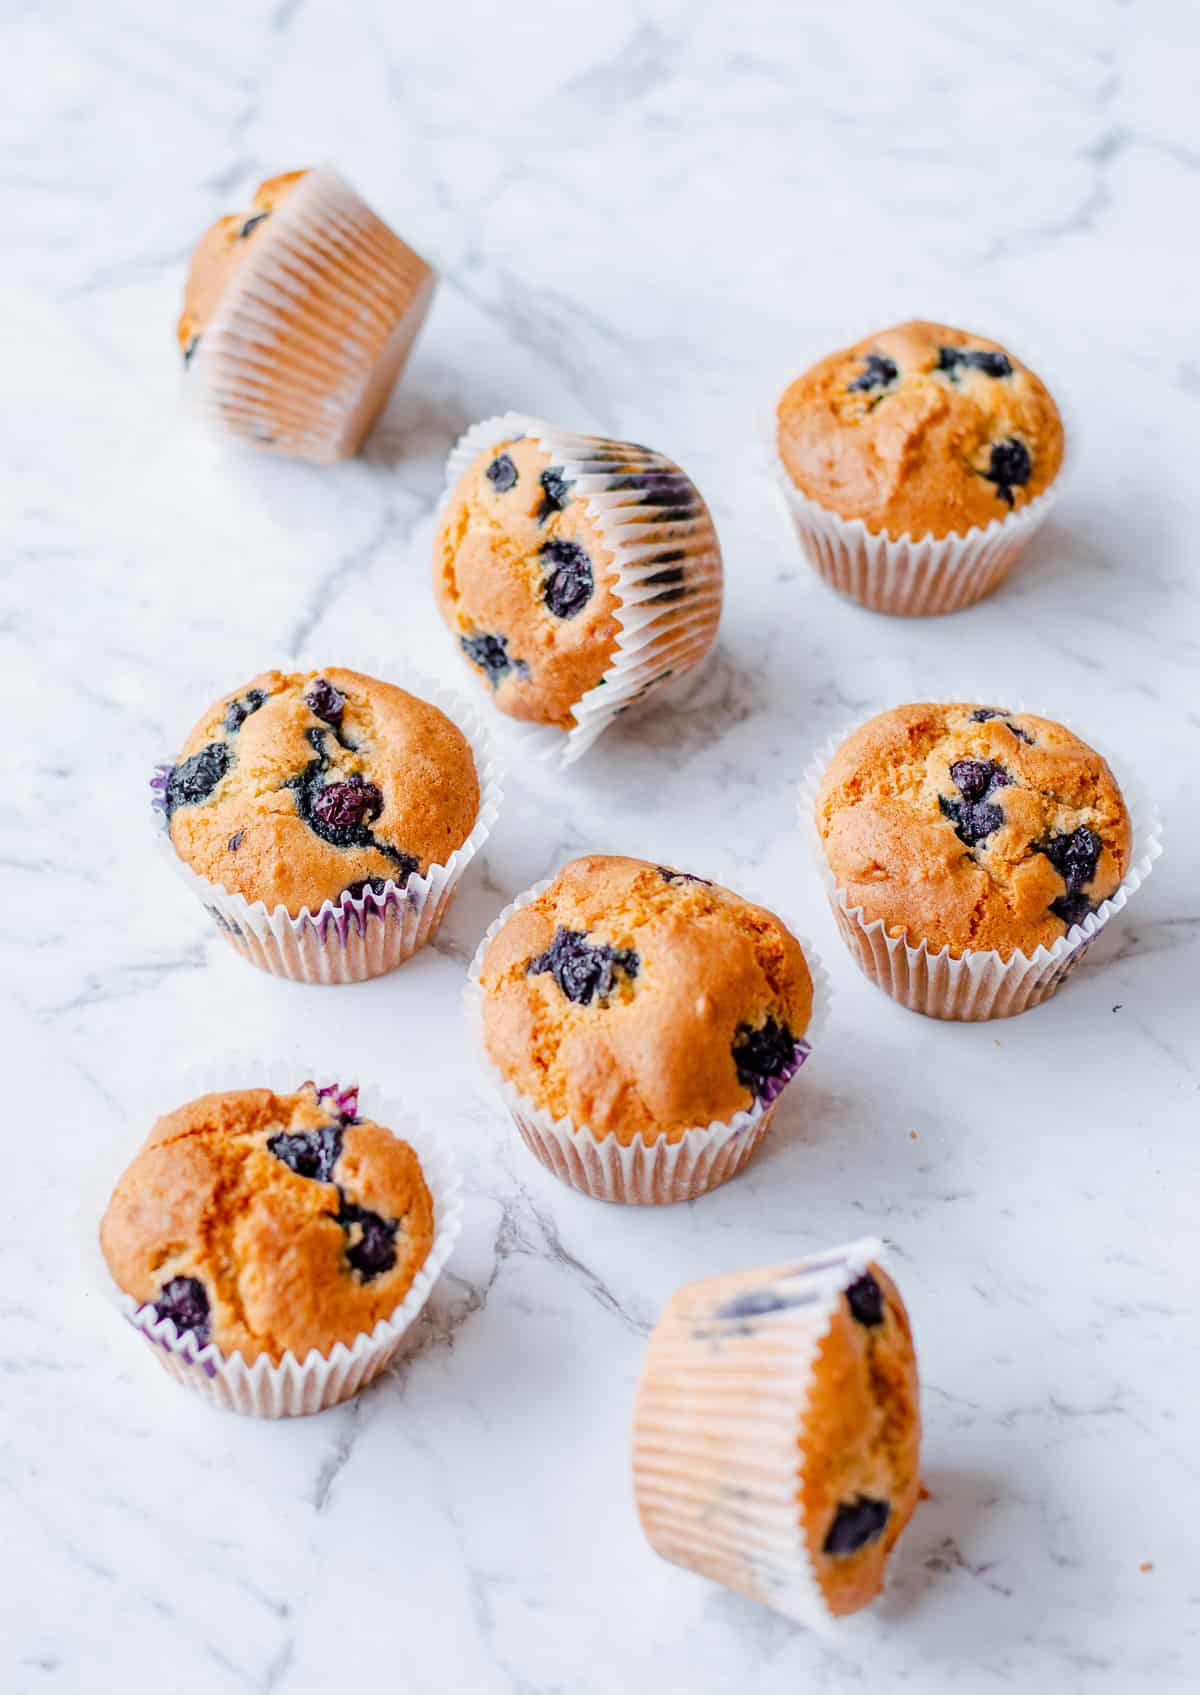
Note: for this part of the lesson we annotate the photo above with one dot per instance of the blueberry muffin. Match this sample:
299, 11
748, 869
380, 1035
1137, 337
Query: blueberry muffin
526, 569
298, 315
970, 827
300, 788
641, 1001
921, 430
268, 1223
791, 1384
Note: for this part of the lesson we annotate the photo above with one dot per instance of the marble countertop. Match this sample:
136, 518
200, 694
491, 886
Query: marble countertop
645, 217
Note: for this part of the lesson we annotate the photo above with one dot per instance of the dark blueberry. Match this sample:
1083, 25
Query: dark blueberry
374, 1252
490, 653
347, 805
556, 493
365, 886
1009, 467
502, 473
856, 1524
975, 359
309, 1153
879, 372
253, 223
765, 1058
235, 841
569, 581
975, 816
982, 714
1074, 855
583, 969
237, 712
668, 489
190, 349
1072, 909
865, 1299
669, 876
324, 701
185, 1299
196, 778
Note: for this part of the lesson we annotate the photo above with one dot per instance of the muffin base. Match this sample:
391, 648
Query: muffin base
293, 1387
313, 331
354, 939
658, 1173
974, 985
659, 638
718, 1433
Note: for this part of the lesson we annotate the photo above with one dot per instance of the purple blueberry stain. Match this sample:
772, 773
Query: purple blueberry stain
325, 701
491, 655
365, 886
252, 223
1075, 855
766, 1057
670, 876
856, 1524
195, 778
569, 583
864, 1297
1009, 467
237, 711
556, 492
975, 816
235, 841
584, 970
190, 350
502, 473
341, 812
878, 372
184, 1300
341, 1101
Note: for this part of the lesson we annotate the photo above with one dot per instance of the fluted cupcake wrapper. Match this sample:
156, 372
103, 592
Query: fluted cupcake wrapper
719, 1426
314, 328
666, 561
976, 984
353, 939
639, 1174
293, 1386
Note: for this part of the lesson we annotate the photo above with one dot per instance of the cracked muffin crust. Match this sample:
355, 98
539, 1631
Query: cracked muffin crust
523, 579
972, 827
642, 1002
920, 430
300, 788
223, 249
267, 1223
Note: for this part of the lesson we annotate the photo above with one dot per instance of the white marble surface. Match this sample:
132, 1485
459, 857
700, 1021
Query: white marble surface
645, 217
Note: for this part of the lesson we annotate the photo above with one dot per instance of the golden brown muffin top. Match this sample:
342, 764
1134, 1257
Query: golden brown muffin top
266, 1222
920, 430
294, 789
972, 827
522, 576
643, 1001
220, 252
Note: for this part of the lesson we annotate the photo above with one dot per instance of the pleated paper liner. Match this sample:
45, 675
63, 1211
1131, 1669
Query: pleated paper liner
666, 568
315, 327
640, 1174
293, 1386
353, 939
976, 984
719, 1426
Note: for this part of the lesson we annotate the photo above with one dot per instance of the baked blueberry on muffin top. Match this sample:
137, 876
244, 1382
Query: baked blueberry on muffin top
266, 1222
300, 788
644, 1002
920, 430
972, 827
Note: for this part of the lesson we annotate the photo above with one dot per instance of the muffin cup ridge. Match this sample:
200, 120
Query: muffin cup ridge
719, 1423
354, 939
640, 1174
659, 637
292, 1387
312, 332
976, 984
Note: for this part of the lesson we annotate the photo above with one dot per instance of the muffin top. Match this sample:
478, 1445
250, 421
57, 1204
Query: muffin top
920, 430
266, 1222
221, 250
972, 827
296, 789
644, 1001
522, 576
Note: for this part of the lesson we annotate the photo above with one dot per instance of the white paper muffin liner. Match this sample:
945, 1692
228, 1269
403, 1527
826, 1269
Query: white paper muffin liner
719, 1426
350, 940
314, 327
640, 1174
668, 571
293, 1387
911, 576
978, 984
